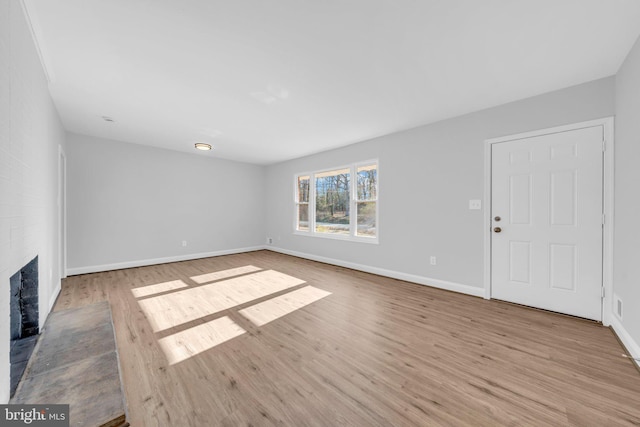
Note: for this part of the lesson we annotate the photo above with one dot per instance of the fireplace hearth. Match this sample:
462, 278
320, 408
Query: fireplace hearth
24, 319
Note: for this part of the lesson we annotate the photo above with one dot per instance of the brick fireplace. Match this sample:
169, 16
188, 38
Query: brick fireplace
24, 318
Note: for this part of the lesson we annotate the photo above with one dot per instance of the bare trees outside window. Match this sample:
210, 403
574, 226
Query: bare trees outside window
367, 200
341, 202
332, 202
303, 203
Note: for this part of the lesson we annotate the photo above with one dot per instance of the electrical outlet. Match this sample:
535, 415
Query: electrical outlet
475, 204
433, 260
184, 243
269, 240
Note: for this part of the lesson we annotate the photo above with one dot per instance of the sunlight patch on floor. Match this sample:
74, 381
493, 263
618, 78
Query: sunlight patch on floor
224, 274
180, 303
270, 310
145, 291
188, 343
176, 308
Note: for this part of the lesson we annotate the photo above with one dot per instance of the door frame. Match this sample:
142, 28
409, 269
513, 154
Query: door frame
607, 199
62, 212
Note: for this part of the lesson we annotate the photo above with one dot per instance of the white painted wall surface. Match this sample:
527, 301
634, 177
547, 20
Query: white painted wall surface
130, 204
627, 197
30, 134
427, 177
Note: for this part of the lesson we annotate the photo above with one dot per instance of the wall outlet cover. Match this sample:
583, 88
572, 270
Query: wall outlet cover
475, 204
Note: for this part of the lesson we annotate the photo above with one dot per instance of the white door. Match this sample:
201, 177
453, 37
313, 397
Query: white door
546, 221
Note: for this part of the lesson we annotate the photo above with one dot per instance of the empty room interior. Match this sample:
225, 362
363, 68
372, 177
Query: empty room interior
320, 213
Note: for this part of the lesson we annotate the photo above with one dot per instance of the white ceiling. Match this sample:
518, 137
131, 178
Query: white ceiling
265, 81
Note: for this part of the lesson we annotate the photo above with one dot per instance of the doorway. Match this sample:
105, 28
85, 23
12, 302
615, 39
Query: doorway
546, 217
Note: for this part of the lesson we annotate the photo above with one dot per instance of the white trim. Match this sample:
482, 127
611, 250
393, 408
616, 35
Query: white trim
146, 262
608, 202
296, 203
352, 236
608, 230
343, 237
54, 296
421, 280
630, 345
487, 221
38, 39
434, 283
62, 212
548, 131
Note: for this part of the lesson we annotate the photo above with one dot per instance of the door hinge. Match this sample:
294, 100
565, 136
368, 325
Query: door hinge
603, 219
604, 146
602, 292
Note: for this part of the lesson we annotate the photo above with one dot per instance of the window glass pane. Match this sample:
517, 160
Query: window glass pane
368, 182
332, 202
303, 217
303, 189
366, 219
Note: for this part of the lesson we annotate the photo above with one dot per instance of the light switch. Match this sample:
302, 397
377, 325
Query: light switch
475, 204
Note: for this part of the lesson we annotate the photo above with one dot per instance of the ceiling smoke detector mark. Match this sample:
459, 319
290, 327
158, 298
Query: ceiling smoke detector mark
108, 119
272, 95
278, 91
211, 133
264, 97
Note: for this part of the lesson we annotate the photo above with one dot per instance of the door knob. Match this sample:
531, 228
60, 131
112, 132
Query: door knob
497, 229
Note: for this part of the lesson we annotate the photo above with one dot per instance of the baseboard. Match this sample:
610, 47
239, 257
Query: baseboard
627, 341
145, 262
54, 295
435, 283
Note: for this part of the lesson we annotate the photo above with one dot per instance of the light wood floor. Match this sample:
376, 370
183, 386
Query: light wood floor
373, 352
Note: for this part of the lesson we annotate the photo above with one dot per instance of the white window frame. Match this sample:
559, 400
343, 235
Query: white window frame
353, 204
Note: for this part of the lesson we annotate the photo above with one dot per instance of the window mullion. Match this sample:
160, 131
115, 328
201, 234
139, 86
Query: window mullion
312, 203
353, 215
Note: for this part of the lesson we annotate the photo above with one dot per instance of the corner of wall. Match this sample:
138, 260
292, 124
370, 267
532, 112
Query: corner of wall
30, 133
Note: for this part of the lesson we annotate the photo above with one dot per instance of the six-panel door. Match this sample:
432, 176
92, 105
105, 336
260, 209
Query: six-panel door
546, 246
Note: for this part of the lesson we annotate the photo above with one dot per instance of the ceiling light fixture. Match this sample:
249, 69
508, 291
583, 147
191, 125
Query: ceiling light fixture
108, 119
202, 146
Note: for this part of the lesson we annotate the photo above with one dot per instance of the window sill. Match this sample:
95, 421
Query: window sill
345, 238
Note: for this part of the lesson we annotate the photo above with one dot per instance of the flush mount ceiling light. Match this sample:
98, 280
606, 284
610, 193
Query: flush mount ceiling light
108, 119
202, 146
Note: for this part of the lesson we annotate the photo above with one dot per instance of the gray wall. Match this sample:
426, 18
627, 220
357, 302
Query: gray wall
30, 134
627, 193
427, 176
130, 204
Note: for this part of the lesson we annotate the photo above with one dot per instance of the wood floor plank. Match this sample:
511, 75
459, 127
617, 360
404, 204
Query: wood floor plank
374, 351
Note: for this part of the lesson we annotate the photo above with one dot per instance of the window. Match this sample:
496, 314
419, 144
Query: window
332, 202
367, 200
340, 203
302, 202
